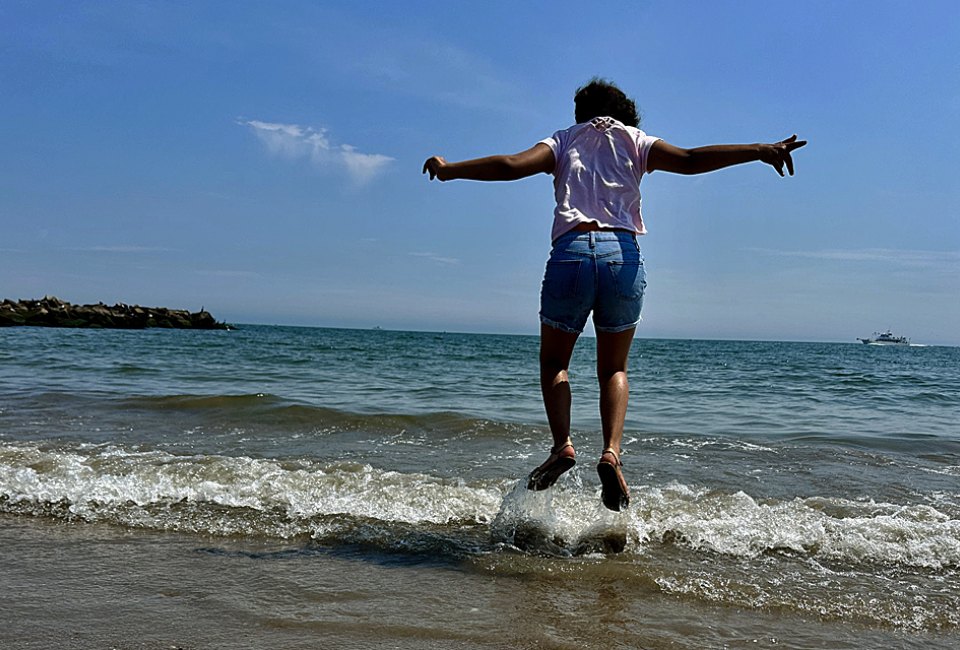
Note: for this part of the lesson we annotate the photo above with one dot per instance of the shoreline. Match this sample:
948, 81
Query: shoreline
94, 585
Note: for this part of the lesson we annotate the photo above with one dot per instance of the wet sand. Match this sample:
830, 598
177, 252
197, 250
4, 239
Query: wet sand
77, 585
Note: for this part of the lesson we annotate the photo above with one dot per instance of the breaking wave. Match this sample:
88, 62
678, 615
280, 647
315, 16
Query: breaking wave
226, 495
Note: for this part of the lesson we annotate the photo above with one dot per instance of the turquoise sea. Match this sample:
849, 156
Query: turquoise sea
281, 487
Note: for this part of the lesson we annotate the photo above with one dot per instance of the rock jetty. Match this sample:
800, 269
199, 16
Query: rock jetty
53, 312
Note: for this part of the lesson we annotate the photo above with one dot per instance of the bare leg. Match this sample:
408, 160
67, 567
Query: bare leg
556, 348
612, 352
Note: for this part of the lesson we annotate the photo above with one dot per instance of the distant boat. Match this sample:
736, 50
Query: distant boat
885, 338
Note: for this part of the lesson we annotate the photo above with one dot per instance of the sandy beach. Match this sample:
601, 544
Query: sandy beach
91, 586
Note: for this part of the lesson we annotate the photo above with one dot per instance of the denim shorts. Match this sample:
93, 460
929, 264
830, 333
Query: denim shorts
599, 271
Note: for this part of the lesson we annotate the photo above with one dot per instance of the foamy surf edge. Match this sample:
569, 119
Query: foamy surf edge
237, 495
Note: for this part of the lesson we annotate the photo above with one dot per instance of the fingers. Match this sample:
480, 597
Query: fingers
432, 166
784, 147
792, 143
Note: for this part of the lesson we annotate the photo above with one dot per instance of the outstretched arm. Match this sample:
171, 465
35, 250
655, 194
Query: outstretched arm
707, 159
535, 160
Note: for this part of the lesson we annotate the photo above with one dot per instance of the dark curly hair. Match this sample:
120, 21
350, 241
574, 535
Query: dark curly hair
601, 98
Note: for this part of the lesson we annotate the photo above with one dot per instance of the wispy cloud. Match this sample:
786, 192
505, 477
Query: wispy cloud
228, 273
296, 142
120, 249
433, 257
443, 72
911, 258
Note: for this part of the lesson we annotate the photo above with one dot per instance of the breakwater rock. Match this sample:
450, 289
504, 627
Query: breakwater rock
53, 312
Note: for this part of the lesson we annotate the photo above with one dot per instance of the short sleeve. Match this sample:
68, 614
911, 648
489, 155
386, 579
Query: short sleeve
644, 143
554, 143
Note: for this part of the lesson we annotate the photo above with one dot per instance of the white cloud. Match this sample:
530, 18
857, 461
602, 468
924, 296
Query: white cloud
433, 257
912, 258
296, 142
362, 166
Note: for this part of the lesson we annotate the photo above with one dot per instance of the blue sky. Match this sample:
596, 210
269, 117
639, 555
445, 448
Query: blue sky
263, 161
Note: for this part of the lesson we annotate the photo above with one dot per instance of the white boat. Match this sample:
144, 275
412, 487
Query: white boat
885, 338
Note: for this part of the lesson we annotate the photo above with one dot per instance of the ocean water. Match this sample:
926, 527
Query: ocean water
305, 487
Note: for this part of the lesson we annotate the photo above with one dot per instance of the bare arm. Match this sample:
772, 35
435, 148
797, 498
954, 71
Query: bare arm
669, 158
534, 160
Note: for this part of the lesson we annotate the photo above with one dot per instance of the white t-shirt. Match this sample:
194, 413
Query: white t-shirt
599, 165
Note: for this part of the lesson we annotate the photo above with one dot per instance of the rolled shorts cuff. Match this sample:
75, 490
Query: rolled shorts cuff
560, 326
618, 328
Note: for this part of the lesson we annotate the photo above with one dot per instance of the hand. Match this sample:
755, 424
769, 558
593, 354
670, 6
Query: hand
433, 166
778, 154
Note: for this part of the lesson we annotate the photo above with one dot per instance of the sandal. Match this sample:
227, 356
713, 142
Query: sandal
615, 493
548, 473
